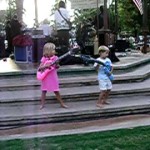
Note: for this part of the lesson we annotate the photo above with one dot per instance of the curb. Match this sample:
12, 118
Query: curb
76, 96
72, 116
83, 70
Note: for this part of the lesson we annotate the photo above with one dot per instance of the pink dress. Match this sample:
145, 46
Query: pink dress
50, 83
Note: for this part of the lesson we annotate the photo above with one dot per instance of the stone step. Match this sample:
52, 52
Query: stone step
30, 82
126, 64
18, 115
82, 93
21, 106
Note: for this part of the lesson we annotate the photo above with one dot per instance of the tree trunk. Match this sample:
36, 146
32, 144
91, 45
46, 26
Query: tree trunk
19, 11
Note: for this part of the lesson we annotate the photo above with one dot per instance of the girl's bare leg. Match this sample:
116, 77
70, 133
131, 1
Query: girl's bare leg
101, 99
43, 96
60, 99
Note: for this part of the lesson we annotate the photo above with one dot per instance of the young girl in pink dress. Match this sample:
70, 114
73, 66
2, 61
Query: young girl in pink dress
50, 82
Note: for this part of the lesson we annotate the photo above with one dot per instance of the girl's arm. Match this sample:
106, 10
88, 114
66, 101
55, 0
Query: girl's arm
57, 65
44, 66
49, 63
41, 67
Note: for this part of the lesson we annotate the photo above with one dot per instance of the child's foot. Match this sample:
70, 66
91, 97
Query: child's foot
107, 103
41, 107
64, 106
100, 105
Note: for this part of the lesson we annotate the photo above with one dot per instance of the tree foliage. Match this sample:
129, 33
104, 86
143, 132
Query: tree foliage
81, 16
129, 17
14, 7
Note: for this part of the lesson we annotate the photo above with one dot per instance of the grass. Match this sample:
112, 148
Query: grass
123, 139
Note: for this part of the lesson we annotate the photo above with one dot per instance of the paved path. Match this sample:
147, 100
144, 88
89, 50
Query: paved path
56, 129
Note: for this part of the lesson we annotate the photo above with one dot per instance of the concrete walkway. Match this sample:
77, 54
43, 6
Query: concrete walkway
16, 109
58, 129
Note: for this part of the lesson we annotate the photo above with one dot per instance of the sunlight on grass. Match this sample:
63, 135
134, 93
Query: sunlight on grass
124, 139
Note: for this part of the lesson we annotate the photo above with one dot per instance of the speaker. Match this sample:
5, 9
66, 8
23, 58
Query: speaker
121, 45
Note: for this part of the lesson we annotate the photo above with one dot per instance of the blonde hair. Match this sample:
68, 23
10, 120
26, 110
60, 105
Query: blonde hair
49, 49
103, 48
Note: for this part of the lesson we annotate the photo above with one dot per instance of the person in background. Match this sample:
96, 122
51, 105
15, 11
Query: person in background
61, 24
15, 28
50, 83
99, 24
8, 38
45, 26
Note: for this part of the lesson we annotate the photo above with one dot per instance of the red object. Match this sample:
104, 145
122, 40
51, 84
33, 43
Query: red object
22, 40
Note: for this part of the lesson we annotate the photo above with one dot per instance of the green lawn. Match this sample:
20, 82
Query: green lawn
123, 139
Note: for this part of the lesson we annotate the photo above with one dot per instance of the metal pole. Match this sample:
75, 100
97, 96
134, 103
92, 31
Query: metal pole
97, 22
116, 19
105, 15
105, 22
36, 13
145, 26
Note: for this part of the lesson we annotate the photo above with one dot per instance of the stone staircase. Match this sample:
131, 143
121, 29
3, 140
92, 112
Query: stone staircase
20, 94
